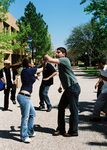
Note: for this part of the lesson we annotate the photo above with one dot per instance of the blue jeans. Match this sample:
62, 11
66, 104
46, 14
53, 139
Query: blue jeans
69, 97
28, 113
43, 94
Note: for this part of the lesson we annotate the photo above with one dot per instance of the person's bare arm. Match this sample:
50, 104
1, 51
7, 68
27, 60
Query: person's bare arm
15, 81
100, 79
16, 64
52, 75
52, 60
39, 70
2, 79
103, 77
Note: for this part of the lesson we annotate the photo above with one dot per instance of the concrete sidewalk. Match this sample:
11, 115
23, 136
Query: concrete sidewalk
92, 136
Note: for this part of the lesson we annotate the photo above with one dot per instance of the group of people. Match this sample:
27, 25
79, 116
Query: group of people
69, 97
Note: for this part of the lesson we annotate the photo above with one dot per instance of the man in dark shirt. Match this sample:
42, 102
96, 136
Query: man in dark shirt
48, 74
8, 77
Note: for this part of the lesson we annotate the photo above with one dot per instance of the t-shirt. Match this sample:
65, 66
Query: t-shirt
104, 73
28, 78
66, 74
49, 69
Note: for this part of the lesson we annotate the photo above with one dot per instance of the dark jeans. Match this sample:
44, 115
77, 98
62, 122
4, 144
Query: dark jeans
6, 95
70, 96
43, 94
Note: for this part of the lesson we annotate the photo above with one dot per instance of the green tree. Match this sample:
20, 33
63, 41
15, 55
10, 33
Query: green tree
4, 5
98, 8
80, 43
5, 38
39, 38
22, 38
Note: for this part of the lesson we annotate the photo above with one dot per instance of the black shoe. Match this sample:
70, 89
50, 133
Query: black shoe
95, 119
49, 109
4, 109
41, 107
14, 102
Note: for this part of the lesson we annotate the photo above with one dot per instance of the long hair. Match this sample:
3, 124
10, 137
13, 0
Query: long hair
26, 61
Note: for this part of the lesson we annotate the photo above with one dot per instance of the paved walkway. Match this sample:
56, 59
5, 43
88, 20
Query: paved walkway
92, 136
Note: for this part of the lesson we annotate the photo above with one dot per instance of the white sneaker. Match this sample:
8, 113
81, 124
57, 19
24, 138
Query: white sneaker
27, 140
33, 135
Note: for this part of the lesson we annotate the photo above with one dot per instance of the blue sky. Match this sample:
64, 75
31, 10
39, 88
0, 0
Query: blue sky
61, 16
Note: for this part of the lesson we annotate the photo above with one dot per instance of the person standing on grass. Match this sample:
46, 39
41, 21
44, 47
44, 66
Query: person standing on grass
70, 95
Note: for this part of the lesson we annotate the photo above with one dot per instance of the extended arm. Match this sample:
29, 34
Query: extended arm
103, 77
100, 79
16, 64
39, 70
52, 75
52, 60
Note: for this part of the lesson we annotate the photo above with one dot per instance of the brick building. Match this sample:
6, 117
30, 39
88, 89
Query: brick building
10, 24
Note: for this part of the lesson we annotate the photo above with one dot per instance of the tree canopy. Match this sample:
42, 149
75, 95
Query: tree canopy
88, 42
4, 6
98, 8
38, 37
5, 38
80, 43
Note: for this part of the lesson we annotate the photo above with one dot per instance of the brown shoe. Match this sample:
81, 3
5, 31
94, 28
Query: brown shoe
69, 135
66, 135
56, 133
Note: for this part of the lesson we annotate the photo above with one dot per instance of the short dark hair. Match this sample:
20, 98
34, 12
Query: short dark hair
26, 61
101, 61
63, 50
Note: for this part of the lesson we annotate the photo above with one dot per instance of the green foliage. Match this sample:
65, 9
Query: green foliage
22, 37
39, 38
90, 70
7, 42
4, 5
80, 43
98, 8
5, 38
88, 42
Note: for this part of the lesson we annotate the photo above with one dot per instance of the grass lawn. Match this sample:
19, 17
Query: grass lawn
90, 70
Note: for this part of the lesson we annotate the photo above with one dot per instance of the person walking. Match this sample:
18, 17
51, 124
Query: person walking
70, 95
48, 73
24, 99
101, 102
8, 77
99, 85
